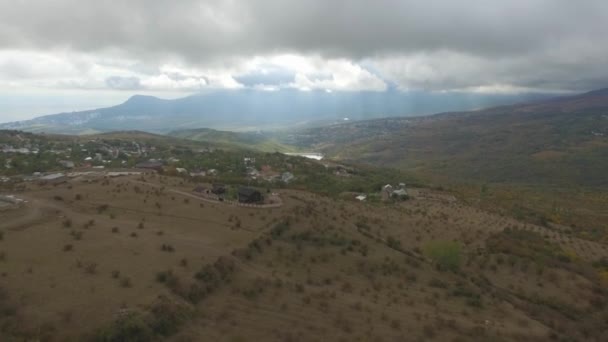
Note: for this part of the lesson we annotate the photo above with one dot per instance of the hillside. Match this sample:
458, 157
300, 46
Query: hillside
562, 142
144, 258
249, 140
542, 161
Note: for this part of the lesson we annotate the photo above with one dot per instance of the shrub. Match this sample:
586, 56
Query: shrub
167, 248
130, 327
68, 248
91, 268
125, 282
76, 235
393, 243
102, 208
446, 254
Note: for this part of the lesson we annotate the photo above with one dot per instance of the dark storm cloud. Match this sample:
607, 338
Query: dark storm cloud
556, 43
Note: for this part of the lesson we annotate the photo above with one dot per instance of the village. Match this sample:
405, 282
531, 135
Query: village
221, 175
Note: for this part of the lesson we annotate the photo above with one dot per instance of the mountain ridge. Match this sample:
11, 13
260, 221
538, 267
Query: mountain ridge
241, 110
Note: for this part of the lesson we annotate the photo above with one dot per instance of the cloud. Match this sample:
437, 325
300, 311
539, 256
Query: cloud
435, 45
123, 83
268, 75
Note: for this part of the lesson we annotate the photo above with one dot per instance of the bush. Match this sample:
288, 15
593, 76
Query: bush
125, 282
446, 254
131, 327
167, 248
102, 208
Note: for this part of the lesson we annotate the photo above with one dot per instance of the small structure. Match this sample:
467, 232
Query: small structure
198, 173
150, 165
386, 192
181, 170
249, 195
68, 164
400, 194
53, 178
286, 177
361, 198
199, 189
218, 189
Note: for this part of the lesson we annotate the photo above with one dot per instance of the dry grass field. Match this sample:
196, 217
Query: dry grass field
132, 258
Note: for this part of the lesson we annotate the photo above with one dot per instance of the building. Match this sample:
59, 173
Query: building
150, 165
68, 164
200, 189
218, 189
53, 178
198, 173
361, 198
400, 194
386, 192
249, 195
287, 177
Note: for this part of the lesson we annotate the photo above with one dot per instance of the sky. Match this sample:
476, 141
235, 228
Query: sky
58, 55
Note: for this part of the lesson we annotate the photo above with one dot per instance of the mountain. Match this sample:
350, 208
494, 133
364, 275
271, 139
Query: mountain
243, 110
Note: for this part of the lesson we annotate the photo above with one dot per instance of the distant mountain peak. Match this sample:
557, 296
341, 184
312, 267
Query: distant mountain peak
136, 99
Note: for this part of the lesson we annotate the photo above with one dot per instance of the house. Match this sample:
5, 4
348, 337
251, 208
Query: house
53, 178
249, 195
400, 194
287, 177
386, 192
181, 170
252, 172
68, 164
218, 189
361, 198
198, 173
151, 165
199, 189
